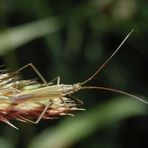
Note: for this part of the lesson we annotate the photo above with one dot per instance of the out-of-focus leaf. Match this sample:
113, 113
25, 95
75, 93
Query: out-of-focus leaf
5, 144
74, 129
18, 36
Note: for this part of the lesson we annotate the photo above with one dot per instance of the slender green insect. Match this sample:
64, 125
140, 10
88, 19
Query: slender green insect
45, 101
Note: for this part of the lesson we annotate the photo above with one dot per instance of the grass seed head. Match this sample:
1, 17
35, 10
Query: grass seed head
25, 100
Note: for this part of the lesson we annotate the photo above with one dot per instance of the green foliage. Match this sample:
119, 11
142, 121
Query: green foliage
71, 39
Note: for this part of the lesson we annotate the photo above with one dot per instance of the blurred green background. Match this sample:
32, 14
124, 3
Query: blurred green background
71, 39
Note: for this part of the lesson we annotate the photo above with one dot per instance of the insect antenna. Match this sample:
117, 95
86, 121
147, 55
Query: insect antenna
107, 61
114, 90
101, 67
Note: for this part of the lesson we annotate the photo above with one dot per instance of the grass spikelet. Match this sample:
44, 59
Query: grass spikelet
26, 100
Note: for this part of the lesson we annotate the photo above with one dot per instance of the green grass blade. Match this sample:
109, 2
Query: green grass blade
18, 36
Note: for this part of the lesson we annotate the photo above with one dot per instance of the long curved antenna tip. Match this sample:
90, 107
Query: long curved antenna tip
115, 91
108, 60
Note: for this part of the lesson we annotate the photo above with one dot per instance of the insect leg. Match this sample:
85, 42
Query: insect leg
40, 116
57, 79
38, 74
43, 112
78, 101
58, 82
46, 84
48, 104
35, 70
